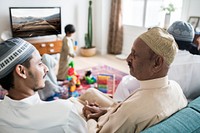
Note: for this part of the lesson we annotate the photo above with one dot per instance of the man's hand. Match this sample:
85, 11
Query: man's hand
93, 111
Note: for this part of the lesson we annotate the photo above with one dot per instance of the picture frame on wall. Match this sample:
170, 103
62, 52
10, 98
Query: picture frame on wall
197, 29
194, 21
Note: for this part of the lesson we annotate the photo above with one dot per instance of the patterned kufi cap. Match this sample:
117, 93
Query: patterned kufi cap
182, 31
161, 42
12, 52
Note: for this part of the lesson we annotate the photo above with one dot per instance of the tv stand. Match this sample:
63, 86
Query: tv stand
48, 47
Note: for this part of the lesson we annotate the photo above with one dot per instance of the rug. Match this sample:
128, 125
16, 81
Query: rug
114, 75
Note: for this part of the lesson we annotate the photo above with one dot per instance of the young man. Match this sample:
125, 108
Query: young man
157, 97
183, 34
22, 73
185, 68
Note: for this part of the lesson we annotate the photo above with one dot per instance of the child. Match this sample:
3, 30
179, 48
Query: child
52, 89
67, 52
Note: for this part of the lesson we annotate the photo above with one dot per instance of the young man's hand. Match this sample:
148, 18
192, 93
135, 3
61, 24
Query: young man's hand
93, 111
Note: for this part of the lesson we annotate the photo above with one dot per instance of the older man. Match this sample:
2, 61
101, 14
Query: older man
157, 97
184, 69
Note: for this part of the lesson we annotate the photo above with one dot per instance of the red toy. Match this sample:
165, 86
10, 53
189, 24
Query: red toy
73, 81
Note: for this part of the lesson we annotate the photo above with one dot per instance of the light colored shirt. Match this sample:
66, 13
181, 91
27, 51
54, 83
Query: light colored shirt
126, 86
185, 70
154, 101
31, 115
70, 45
65, 58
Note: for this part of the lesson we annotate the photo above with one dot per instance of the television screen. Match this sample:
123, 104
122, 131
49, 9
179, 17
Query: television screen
35, 21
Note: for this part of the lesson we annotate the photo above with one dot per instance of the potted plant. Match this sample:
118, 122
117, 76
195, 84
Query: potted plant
88, 49
168, 9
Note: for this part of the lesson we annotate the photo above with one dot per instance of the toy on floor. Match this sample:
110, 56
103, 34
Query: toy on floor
89, 78
103, 83
73, 81
106, 83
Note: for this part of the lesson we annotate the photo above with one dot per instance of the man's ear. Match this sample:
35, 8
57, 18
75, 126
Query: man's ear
21, 71
158, 63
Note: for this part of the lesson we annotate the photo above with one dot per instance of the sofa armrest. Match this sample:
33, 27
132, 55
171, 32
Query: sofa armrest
186, 120
195, 104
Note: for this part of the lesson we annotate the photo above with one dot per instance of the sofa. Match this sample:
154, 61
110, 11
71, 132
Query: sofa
186, 120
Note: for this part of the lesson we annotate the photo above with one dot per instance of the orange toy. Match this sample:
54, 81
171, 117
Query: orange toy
74, 81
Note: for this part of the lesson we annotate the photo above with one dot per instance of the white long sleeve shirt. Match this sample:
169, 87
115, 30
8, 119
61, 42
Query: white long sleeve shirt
31, 115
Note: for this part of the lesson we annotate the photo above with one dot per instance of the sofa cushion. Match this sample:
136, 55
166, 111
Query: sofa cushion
186, 120
195, 104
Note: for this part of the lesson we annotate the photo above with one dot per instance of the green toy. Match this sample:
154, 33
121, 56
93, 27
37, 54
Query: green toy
89, 78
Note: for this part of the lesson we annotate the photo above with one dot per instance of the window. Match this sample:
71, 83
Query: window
148, 13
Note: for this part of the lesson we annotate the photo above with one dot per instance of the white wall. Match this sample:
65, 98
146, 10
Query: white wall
74, 12
101, 22
130, 34
190, 8
194, 7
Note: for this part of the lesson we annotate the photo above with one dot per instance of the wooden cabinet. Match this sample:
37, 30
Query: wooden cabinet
49, 47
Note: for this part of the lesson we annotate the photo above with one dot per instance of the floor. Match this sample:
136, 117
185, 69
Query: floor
110, 60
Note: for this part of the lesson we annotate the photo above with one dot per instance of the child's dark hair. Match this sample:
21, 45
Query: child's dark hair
69, 29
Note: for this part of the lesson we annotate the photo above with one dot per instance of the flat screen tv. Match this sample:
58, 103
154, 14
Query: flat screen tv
35, 21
